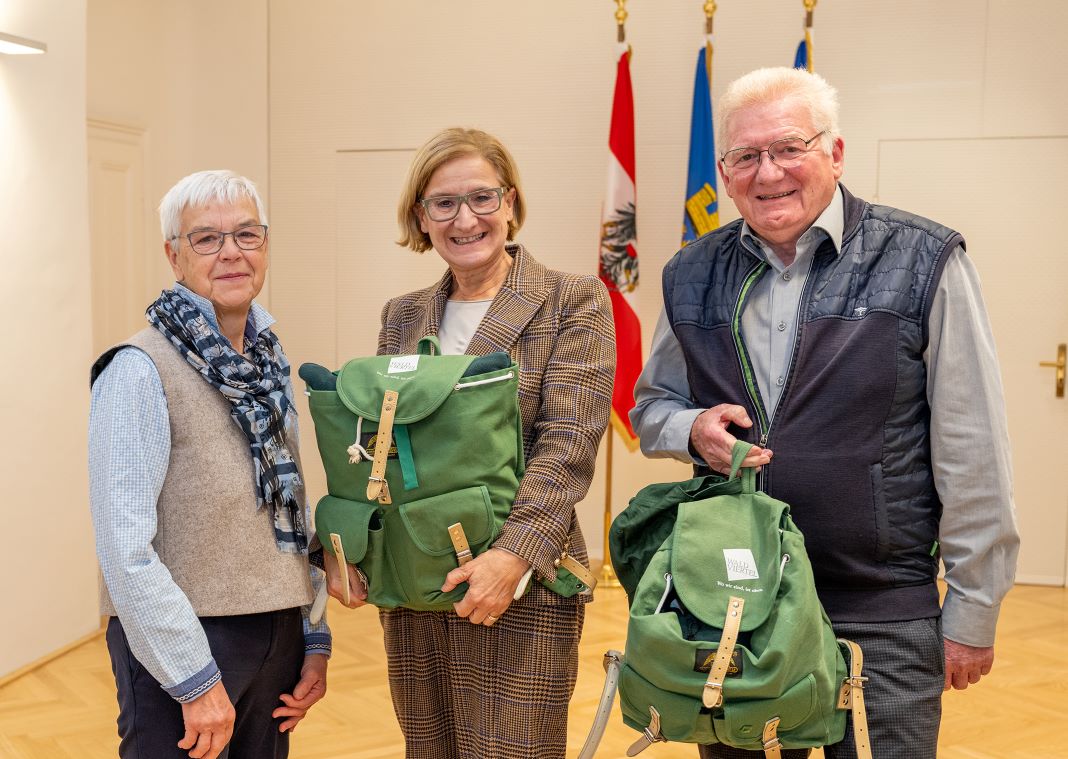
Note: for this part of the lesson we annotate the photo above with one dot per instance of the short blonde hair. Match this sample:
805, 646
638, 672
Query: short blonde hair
772, 84
455, 142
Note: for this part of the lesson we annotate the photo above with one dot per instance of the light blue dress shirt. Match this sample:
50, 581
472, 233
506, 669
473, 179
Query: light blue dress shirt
129, 450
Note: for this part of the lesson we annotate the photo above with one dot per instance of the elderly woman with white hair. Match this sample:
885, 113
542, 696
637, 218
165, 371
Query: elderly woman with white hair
198, 501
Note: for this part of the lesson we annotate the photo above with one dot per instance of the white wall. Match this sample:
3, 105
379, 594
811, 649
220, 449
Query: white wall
47, 568
193, 76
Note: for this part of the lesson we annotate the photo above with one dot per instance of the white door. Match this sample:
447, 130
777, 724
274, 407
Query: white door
1013, 229
118, 255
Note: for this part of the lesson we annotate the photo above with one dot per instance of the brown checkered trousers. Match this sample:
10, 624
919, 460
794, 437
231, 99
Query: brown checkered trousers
466, 691
469, 691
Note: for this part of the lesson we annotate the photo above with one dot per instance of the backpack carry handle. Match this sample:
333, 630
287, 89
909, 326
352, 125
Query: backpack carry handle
738, 453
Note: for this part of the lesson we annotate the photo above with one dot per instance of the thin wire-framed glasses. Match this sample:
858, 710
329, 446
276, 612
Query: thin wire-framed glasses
786, 153
481, 202
207, 242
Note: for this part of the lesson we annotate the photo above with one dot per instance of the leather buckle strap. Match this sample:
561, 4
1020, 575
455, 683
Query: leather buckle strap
613, 661
772, 744
712, 695
377, 487
851, 697
460, 544
574, 566
342, 565
650, 734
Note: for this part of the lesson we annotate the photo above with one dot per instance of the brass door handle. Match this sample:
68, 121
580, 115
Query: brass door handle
1059, 365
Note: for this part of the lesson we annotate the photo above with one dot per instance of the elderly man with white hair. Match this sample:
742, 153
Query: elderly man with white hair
850, 343
198, 502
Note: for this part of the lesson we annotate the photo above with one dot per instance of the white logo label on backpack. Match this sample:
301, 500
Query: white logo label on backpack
403, 364
740, 564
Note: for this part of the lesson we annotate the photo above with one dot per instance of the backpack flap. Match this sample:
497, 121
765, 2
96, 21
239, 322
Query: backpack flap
738, 537
639, 530
422, 384
351, 521
395, 390
745, 560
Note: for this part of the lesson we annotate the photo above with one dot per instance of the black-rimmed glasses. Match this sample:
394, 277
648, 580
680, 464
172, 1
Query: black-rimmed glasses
786, 153
207, 242
481, 202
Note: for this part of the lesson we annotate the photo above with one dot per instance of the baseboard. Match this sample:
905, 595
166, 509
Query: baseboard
1028, 579
26, 669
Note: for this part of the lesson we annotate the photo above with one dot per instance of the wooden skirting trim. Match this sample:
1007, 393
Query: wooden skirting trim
12, 676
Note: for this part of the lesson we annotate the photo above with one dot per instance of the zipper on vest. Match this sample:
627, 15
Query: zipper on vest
764, 474
763, 427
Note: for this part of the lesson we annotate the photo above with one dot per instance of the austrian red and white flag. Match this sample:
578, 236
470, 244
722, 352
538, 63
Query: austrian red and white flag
619, 254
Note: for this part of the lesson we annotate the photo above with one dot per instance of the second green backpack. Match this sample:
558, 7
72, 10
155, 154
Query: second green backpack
727, 641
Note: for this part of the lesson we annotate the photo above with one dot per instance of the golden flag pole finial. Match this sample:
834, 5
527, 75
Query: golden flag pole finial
810, 10
710, 11
621, 19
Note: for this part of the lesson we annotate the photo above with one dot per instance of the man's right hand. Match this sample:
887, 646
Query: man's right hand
357, 587
209, 723
714, 444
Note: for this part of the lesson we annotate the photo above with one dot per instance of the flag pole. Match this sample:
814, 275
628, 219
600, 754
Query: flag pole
608, 577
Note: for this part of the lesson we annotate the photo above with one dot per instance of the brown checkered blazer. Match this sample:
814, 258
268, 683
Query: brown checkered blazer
558, 328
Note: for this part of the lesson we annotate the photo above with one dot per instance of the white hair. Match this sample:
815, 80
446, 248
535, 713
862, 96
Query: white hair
201, 188
770, 84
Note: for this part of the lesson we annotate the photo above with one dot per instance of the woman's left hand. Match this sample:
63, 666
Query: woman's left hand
491, 578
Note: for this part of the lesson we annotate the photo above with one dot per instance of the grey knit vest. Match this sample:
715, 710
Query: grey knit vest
219, 548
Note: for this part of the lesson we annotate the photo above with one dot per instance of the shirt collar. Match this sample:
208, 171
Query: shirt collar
259, 319
829, 224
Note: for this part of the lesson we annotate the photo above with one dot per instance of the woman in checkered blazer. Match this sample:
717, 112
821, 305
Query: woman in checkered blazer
492, 679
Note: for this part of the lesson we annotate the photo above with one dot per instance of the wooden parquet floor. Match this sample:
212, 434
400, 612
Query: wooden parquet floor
66, 709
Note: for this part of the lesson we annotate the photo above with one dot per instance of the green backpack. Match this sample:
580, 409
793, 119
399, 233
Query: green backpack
423, 456
727, 641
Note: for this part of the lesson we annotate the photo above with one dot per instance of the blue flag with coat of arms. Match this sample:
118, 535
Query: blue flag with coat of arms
702, 203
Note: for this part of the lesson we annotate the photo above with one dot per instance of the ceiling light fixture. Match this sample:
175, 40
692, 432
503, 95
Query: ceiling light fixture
12, 45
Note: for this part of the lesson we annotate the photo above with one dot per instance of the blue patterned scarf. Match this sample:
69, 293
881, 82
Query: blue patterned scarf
255, 387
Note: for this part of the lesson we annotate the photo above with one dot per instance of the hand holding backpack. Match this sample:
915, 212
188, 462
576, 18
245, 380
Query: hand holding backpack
727, 641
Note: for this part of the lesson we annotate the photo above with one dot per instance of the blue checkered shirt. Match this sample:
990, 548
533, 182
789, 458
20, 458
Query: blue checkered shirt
129, 434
